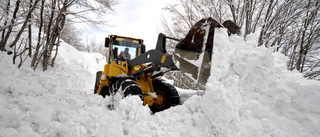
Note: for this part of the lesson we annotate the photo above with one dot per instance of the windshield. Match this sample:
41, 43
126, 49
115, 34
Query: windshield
125, 52
124, 49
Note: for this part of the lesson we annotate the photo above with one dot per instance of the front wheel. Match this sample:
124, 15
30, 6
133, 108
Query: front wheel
126, 87
167, 96
122, 88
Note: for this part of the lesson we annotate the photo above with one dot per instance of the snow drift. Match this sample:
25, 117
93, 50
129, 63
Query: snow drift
250, 93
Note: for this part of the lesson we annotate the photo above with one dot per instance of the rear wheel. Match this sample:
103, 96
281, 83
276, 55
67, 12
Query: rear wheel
167, 96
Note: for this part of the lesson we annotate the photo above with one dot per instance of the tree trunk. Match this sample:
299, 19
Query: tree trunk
45, 53
35, 56
266, 19
30, 33
233, 10
248, 17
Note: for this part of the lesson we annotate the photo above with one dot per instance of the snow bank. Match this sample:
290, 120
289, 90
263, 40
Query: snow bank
58, 102
250, 93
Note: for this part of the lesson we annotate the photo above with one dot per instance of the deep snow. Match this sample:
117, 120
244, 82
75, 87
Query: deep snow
250, 93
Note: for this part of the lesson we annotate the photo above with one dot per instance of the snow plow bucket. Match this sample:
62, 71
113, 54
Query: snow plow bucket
193, 55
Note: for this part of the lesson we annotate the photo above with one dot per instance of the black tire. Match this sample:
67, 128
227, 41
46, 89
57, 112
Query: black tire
105, 91
96, 85
126, 87
168, 92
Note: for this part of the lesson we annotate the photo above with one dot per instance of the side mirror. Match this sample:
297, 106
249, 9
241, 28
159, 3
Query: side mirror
161, 43
106, 42
143, 48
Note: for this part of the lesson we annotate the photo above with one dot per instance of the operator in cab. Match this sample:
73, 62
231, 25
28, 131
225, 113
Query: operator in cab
125, 54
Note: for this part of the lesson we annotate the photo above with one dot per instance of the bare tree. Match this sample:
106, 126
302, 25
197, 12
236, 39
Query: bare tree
307, 39
7, 29
5, 17
24, 25
70, 34
39, 37
48, 18
30, 32
187, 12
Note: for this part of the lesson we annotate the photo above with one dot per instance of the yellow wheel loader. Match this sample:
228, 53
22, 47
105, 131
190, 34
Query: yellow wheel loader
130, 70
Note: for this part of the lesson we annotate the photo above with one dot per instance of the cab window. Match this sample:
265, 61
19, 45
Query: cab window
125, 52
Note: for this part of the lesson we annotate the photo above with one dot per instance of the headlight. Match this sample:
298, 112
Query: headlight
103, 77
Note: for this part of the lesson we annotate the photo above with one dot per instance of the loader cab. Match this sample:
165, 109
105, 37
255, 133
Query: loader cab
124, 48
